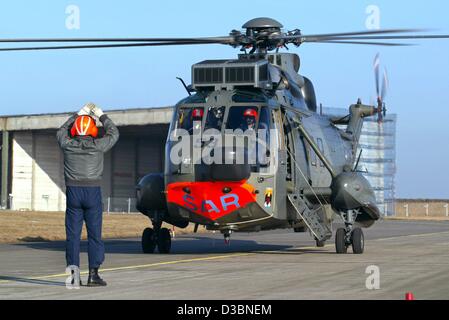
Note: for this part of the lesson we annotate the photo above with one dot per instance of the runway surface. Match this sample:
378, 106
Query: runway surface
411, 256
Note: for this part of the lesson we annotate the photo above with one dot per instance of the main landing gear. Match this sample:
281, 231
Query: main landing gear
349, 236
158, 236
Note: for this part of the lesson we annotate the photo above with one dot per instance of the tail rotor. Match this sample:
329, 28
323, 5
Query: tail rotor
381, 89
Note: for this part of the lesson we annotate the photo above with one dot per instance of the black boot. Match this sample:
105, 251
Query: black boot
94, 279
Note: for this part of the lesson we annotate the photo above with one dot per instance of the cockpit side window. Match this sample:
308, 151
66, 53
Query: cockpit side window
264, 120
263, 135
187, 117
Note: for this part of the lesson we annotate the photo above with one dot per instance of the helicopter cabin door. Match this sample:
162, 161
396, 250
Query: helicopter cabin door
318, 172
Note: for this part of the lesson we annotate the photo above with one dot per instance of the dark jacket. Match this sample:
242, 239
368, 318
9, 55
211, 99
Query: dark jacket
83, 156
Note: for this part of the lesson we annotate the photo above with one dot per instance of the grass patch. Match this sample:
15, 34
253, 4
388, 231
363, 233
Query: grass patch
29, 226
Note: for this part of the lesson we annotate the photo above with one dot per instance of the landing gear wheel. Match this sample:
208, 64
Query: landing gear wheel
320, 244
358, 241
164, 241
148, 240
340, 241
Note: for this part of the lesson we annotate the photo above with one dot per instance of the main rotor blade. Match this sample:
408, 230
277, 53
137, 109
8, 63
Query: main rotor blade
406, 37
152, 44
366, 43
315, 37
225, 39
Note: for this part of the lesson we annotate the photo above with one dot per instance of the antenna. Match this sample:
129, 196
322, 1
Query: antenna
358, 161
184, 84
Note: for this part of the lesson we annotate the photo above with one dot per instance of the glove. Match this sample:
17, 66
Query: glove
97, 112
87, 109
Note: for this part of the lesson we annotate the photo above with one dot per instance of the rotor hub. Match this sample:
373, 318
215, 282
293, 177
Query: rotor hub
262, 34
262, 23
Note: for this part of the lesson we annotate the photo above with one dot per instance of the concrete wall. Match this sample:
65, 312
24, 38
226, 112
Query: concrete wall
128, 117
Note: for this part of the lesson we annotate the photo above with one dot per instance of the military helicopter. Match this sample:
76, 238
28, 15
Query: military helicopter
307, 174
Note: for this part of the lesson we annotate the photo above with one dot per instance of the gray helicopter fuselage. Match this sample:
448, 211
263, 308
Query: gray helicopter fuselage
307, 150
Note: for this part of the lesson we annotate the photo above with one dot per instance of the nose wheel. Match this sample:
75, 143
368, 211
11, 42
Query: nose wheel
148, 240
349, 236
164, 241
160, 237
358, 241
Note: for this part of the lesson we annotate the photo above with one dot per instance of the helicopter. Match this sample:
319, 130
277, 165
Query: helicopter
247, 149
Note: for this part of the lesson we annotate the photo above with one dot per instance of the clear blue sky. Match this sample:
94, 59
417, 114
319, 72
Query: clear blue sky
42, 82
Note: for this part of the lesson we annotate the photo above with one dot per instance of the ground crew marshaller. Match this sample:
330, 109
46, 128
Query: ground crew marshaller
83, 170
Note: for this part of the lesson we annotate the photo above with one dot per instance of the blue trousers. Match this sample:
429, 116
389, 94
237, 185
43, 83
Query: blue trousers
84, 204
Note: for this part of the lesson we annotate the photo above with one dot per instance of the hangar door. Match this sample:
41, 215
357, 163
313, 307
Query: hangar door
150, 157
133, 158
48, 182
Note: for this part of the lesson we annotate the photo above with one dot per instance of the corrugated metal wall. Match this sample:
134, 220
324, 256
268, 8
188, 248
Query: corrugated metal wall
22, 170
48, 181
124, 168
149, 156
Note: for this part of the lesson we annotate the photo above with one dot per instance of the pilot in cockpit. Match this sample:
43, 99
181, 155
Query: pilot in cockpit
249, 120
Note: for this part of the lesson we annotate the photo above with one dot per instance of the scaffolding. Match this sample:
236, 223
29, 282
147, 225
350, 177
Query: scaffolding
378, 160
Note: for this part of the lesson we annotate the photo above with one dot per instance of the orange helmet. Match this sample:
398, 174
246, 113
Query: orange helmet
197, 113
250, 113
84, 126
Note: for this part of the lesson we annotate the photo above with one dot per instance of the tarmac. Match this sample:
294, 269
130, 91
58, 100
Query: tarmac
400, 257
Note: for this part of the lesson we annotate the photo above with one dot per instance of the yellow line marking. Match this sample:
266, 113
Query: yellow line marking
156, 264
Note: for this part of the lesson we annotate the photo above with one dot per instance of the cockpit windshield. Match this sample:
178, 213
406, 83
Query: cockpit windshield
235, 118
215, 118
242, 118
247, 124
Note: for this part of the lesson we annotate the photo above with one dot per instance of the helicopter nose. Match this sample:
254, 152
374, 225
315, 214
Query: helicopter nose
234, 166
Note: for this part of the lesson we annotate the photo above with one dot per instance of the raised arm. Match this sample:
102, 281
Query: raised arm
111, 135
63, 133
